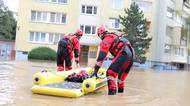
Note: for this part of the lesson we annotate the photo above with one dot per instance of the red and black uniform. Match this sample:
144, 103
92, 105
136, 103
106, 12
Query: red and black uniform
66, 46
122, 51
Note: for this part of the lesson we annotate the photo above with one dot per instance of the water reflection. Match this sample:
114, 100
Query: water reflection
7, 87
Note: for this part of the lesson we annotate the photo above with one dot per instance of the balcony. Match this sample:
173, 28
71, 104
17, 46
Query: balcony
94, 40
176, 38
186, 6
183, 6
186, 3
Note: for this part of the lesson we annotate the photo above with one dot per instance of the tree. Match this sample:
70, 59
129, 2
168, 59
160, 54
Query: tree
1, 4
136, 26
1, 7
7, 23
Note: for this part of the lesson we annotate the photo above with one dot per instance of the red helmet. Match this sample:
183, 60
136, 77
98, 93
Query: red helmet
79, 32
101, 30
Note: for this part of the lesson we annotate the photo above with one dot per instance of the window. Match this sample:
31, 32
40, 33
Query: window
57, 37
33, 15
117, 4
31, 36
50, 40
44, 0
144, 5
114, 23
55, 1
93, 29
167, 48
88, 9
42, 37
83, 9
169, 31
52, 17
82, 27
92, 54
63, 19
170, 13
37, 36
95, 10
178, 18
58, 18
48, 17
62, 1
179, 51
44, 18
39, 15
88, 29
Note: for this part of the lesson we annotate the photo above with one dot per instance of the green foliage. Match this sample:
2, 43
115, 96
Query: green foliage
136, 26
42, 53
7, 23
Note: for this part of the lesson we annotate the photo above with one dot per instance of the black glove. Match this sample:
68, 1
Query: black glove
76, 61
95, 73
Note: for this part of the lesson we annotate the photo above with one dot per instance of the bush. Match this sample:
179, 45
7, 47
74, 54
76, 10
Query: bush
42, 53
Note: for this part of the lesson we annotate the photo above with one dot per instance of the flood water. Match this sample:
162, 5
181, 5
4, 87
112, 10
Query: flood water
143, 88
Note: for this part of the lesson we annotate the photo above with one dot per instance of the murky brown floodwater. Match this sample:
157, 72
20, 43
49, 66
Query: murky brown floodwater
144, 88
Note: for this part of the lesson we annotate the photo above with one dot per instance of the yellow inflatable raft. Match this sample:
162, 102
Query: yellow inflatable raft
53, 83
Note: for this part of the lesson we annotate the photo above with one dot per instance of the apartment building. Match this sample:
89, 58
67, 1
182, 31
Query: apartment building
44, 22
169, 45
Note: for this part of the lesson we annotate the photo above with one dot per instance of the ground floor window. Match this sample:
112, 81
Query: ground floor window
44, 37
92, 54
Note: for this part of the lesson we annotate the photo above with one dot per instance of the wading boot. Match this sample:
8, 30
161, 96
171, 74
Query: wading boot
112, 92
120, 90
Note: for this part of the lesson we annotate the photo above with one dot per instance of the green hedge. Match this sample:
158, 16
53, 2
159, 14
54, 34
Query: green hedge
42, 53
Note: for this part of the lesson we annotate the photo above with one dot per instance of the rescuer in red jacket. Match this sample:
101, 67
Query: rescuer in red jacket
66, 46
123, 53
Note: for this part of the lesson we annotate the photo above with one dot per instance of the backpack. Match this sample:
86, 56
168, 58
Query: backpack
63, 45
124, 40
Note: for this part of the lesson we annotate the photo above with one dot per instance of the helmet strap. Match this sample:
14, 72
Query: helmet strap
78, 36
104, 34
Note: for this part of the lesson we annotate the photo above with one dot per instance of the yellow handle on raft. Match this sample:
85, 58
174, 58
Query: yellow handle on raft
92, 84
88, 85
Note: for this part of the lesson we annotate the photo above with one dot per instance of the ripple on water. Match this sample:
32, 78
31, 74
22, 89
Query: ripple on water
6, 86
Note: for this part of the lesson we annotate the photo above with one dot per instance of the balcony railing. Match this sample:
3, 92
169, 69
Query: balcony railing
186, 3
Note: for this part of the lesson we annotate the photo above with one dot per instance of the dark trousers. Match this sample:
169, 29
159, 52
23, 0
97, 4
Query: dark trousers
119, 68
64, 55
